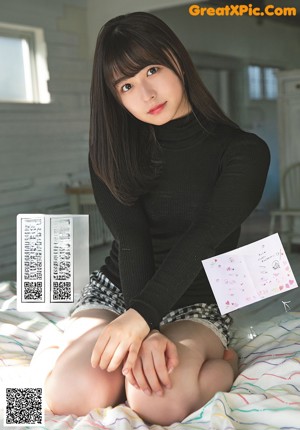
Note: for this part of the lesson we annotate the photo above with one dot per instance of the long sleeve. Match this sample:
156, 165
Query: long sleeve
236, 193
129, 226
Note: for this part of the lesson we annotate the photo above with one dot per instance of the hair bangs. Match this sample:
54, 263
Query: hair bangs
128, 56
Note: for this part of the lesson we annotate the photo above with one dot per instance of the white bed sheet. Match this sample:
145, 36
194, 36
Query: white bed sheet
266, 394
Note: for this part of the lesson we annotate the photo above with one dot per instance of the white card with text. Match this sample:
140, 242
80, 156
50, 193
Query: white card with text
250, 273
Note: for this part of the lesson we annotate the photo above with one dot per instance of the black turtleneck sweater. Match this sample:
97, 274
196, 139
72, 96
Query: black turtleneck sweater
211, 181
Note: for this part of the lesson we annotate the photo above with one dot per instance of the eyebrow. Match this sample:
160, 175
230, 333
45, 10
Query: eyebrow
121, 79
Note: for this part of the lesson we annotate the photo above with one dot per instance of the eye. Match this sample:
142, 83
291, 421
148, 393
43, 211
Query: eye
125, 88
152, 71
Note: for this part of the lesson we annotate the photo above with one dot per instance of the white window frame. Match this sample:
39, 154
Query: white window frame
38, 60
263, 95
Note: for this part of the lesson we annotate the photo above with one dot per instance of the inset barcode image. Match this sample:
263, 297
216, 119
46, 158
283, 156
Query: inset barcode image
52, 260
23, 406
61, 260
33, 260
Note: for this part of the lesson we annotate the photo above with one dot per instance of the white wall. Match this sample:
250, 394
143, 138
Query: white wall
41, 143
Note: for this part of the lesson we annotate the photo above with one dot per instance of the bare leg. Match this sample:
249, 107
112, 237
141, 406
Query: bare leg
215, 375
72, 386
202, 371
46, 354
231, 356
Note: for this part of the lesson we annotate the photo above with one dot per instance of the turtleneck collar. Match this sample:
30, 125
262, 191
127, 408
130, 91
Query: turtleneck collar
183, 132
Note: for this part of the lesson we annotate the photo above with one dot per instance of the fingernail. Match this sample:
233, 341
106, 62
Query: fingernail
147, 392
170, 370
159, 393
125, 371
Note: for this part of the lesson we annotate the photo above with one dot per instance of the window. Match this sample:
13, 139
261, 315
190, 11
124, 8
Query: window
24, 72
262, 83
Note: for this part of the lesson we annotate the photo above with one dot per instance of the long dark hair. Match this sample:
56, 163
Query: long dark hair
123, 150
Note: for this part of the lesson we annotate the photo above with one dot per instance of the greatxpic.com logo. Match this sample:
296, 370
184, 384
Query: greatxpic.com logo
242, 9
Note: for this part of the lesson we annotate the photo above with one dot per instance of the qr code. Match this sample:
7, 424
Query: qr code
24, 406
62, 291
33, 291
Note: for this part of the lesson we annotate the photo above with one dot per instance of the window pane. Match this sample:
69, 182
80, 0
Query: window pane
270, 83
15, 72
255, 84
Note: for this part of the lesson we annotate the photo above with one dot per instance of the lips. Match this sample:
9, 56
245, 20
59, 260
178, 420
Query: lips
157, 109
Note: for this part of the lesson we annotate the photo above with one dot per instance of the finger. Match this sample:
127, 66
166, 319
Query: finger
117, 357
108, 353
172, 358
150, 372
131, 357
131, 379
161, 370
139, 375
99, 347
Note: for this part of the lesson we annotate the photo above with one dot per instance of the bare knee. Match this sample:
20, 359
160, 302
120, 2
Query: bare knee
195, 343
72, 385
164, 411
215, 375
187, 395
175, 404
65, 396
75, 387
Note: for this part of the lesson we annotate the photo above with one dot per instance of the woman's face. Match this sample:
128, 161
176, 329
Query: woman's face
154, 95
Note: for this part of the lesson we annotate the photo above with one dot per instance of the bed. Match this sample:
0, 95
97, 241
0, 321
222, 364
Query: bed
265, 395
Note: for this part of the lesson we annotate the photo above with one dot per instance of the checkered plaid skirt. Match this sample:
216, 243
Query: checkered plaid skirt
101, 293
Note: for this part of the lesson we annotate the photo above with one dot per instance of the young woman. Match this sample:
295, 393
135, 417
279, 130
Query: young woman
173, 179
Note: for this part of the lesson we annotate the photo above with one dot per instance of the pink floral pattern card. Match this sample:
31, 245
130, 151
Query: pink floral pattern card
249, 274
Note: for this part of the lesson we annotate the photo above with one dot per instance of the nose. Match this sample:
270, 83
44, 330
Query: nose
147, 91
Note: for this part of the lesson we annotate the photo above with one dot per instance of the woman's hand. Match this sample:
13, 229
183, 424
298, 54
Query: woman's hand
120, 338
156, 360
